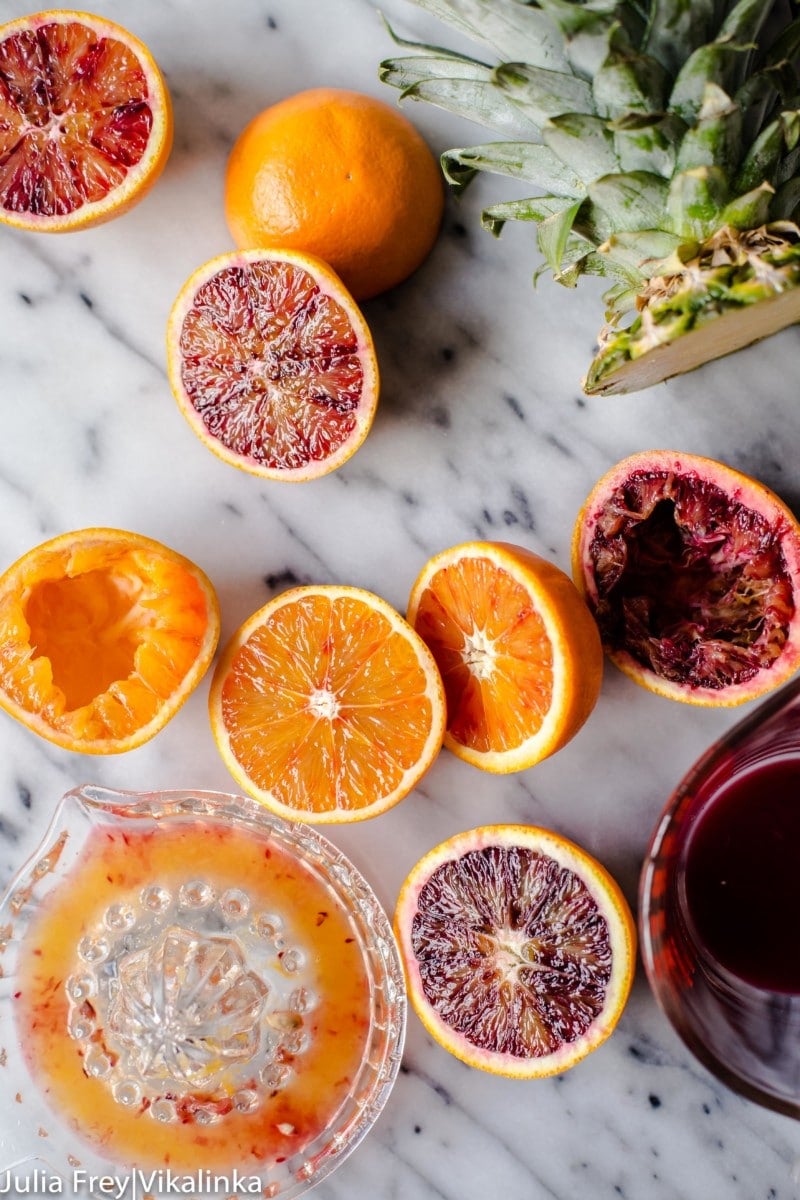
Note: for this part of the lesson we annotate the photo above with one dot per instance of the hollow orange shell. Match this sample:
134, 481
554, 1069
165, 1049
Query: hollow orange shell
103, 636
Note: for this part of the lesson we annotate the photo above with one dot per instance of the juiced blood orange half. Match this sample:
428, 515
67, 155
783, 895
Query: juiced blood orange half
692, 571
103, 636
326, 706
85, 121
518, 650
272, 363
518, 947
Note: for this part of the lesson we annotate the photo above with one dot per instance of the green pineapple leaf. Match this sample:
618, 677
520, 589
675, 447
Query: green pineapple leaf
676, 28
584, 143
709, 64
543, 94
789, 167
513, 30
695, 202
634, 256
632, 202
552, 234
648, 142
763, 158
628, 82
478, 100
786, 201
715, 140
750, 210
535, 208
743, 23
519, 160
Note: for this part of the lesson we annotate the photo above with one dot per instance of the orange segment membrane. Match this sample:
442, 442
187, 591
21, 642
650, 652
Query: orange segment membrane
75, 117
493, 651
271, 364
325, 705
94, 643
513, 951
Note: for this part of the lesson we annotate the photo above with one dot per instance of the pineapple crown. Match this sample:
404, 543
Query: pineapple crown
650, 126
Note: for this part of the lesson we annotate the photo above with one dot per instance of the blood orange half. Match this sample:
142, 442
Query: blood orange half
692, 571
518, 947
272, 363
85, 121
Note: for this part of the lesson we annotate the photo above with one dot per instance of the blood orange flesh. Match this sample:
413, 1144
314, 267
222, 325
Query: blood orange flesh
522, 976
273, 364
78, 107
692, 572
518, 949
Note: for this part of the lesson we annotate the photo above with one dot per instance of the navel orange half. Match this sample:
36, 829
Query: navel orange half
103, 636
326, 706
518, 650
85, 121
518, 947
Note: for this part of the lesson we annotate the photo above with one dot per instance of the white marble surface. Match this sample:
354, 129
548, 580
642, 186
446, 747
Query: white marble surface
481, 432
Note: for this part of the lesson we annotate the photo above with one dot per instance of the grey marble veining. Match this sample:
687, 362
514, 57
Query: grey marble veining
482, 432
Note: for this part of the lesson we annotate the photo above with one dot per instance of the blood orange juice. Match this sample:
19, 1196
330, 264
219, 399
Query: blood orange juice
719, 898
198, 993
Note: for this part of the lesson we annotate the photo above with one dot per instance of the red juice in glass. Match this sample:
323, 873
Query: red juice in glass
720, 900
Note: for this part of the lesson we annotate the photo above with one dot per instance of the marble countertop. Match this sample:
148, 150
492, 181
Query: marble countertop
482, 432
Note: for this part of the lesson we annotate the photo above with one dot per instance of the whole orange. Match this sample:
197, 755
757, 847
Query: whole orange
342, 176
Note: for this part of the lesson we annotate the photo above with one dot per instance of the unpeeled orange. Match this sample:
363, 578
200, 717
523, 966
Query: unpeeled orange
339, 175
85, 121
518, 650
326, 706
103, 636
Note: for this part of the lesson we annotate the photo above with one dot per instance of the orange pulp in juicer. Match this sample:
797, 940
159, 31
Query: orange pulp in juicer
115, 873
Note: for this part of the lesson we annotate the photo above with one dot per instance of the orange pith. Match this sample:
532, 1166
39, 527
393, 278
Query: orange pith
103, 635
340, 175
518, 949
518, 651
272, 364
326, 706
85, 121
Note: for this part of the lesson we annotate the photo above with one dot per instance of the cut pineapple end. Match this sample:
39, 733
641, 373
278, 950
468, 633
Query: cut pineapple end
718, 336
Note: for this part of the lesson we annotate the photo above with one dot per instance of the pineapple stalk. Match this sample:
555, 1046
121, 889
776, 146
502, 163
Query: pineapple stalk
662, 139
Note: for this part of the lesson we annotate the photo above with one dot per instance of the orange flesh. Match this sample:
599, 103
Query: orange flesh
325, 705
513, 952
75, 117
493, 651
272, 365
115, 866
93, 643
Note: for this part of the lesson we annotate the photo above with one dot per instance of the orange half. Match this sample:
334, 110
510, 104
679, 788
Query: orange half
519, 949
326, 706
518, 650
103, 636
85, 121
272, 363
